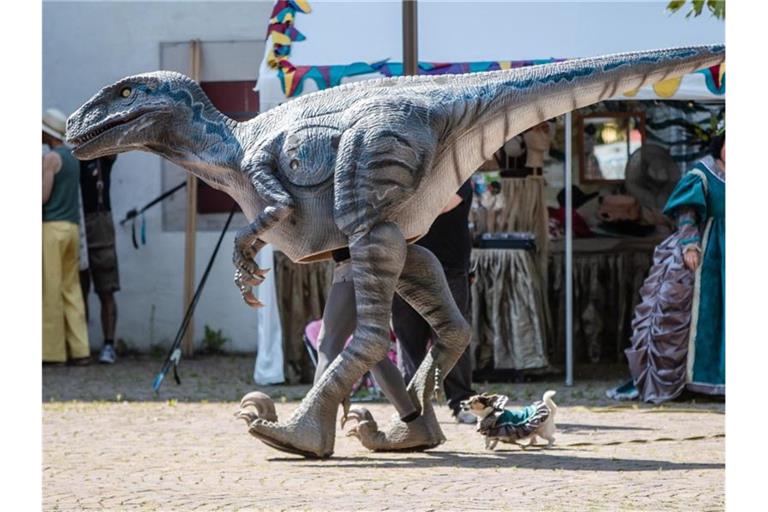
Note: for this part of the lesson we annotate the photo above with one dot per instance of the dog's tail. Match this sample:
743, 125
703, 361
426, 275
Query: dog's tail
548, 399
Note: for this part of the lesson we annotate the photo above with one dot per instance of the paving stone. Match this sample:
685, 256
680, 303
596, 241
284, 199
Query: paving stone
184, 450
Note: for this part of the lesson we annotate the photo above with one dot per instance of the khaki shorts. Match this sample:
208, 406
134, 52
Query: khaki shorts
102, 256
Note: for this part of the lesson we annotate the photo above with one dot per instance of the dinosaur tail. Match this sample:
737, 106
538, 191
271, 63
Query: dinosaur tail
497, 105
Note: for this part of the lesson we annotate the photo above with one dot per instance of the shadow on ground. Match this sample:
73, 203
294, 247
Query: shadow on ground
226, 378
537, 459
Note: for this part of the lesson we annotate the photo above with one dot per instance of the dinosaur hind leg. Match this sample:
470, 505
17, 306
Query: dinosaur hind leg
377, 259
423, 285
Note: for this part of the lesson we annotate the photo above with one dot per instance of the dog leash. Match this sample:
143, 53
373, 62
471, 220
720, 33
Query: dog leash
646, 441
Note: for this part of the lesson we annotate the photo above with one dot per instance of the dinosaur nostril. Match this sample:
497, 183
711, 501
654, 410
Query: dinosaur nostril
294, 164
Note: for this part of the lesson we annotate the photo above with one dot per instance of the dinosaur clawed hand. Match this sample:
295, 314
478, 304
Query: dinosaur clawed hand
247, 273
246, 279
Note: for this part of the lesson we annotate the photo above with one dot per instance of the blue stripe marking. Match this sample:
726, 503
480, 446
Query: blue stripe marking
585, 71
184, 96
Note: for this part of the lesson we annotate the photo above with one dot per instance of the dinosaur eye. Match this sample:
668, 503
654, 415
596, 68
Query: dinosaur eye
294, 164
125, 92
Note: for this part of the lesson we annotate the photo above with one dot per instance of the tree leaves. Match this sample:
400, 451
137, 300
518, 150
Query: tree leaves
716, 8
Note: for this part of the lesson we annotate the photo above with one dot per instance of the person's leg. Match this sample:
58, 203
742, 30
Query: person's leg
458, 382
391, 382
412, 333
339, 321
108, 316
102, 259
108, 353
85, 286
74, 309
54, 330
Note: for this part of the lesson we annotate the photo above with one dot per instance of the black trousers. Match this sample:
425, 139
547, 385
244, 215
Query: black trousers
414, 334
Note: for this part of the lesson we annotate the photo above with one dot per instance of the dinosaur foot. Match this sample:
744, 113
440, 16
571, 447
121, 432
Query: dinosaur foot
420, 434
309, 433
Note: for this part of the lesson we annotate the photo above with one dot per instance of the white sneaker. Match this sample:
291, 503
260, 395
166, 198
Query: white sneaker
465, 417
108, 355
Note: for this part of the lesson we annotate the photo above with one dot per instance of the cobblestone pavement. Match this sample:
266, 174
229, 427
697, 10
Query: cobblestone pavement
108, 444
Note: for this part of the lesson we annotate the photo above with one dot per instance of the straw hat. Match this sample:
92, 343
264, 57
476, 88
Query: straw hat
55, 123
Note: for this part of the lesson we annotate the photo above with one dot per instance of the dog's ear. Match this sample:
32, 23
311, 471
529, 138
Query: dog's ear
485, 399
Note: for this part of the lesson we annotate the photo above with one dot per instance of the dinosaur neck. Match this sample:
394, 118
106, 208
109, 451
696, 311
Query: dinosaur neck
208, 144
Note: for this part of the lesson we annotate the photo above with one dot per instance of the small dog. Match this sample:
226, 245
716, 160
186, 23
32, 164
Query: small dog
499, 424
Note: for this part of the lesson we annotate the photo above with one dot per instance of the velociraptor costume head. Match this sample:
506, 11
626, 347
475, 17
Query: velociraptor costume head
151, 112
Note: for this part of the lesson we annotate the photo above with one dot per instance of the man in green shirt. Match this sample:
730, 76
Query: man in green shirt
65, 330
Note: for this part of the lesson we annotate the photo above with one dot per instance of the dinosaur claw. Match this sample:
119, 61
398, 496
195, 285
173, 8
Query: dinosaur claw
248, 416
245, 283
251, 299
357, 415
256, 406
261, 272
345, 405
253, 281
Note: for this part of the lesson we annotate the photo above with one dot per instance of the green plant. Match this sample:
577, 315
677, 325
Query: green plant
125, 348
715, 7
213, 341
157, 350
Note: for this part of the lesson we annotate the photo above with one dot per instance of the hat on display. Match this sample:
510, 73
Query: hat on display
55, 123
650, 175
577, 195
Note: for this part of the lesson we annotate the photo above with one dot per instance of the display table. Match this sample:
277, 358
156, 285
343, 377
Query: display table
607, 276
516, 323
509, 311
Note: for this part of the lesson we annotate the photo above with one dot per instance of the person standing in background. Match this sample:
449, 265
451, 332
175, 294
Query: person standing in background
65, 331
102, 256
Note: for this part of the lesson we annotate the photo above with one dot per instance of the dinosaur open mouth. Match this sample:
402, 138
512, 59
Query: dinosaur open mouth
100, 130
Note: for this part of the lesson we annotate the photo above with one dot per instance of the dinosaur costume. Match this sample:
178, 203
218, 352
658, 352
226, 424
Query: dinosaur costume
369, 166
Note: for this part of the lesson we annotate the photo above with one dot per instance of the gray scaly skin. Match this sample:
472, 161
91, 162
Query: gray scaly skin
367, 165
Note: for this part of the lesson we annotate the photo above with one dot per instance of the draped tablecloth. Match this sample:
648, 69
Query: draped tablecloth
517, 322
607, 274
523, 209
509, 311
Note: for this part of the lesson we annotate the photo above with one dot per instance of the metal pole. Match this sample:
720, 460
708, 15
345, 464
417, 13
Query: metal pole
190, 235
568, 252
410, 38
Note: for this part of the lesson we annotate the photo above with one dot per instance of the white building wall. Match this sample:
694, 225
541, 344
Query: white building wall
87, 45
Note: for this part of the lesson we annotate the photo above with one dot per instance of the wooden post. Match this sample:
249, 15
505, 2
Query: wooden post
188, 346
410, 38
